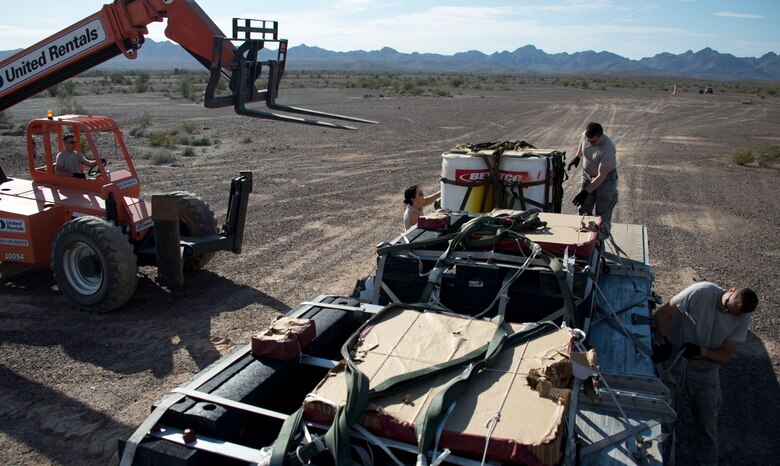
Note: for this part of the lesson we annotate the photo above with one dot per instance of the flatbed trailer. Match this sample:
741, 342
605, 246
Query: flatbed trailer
233, 411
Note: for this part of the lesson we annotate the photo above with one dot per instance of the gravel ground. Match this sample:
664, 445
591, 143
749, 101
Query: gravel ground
72, 383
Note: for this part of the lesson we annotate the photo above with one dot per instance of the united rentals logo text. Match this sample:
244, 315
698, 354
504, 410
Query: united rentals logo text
64, 47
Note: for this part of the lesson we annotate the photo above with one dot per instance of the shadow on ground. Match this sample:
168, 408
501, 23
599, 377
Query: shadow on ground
749, 375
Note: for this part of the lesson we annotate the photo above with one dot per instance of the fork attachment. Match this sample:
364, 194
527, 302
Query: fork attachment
244, 69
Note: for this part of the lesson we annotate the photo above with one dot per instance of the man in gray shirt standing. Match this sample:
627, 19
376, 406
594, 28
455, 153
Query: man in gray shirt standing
598, 187
706, 324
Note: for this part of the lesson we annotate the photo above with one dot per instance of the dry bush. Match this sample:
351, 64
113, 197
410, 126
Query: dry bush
743, 157
767, 154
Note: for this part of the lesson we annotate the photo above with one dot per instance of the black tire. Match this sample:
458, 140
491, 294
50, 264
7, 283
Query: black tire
195, 219
94, 264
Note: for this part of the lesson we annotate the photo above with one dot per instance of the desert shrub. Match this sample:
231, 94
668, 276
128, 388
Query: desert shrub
144, 120
456, 81
141, 87
68, 88
5, 119
161, 139
68, 105
186, 87
204, 141
162, 156
189, 127
188, 152
372, 82
53, 91
185, 140
743, 157
440, 93
767, 154
118, 78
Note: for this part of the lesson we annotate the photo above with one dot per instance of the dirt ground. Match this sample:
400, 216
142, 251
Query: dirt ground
72, 383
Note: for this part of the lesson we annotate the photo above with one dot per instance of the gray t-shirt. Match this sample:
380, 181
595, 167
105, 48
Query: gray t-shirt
68, 162
604, 152
701, 320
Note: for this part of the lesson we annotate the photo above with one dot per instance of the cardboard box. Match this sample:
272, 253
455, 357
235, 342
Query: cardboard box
284, 339
530, 428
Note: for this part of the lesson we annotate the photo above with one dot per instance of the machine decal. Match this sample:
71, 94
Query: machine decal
13, 256
143, 225
68, 45
14, 242
127, 183
507, 176
470, 176
15, 225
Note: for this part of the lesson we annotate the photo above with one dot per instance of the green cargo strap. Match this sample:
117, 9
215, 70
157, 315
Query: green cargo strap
515, 189
470, 185
522, 221
501, 146
462, 240
359, 394
427, 426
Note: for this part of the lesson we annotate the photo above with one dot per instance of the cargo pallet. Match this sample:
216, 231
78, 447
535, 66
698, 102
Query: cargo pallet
232, 411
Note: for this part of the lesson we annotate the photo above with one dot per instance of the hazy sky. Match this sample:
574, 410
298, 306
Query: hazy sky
633, 29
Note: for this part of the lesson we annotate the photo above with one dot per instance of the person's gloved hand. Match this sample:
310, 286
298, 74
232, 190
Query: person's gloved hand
573, 163
579, 199
662, 352
80, 176
103, 161
691, 350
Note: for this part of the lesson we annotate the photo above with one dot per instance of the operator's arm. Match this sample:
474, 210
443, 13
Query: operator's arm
59, 166
722, 354
85, 161
663, 320
604, 169
580, 149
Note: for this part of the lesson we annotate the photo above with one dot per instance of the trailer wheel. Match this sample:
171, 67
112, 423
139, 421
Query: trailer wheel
94, 264
195, 219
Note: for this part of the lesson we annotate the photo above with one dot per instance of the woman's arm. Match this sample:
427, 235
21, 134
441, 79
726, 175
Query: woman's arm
431, 199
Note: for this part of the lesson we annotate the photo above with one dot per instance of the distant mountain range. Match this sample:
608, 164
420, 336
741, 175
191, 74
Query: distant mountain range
704, 64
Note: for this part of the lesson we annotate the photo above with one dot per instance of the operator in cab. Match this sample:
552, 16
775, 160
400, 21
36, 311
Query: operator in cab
68, 162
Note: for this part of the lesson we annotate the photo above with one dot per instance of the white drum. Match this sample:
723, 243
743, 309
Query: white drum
525, 167
465, 168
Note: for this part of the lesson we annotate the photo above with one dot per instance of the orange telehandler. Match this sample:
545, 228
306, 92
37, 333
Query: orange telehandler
95, 229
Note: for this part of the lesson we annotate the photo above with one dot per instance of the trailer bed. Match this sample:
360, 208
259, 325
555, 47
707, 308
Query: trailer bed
623, 296
236, 406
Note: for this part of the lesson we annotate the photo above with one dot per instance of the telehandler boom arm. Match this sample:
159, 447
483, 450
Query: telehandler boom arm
120, 28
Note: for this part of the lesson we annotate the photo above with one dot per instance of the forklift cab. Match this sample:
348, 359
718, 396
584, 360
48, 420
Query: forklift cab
97, 138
